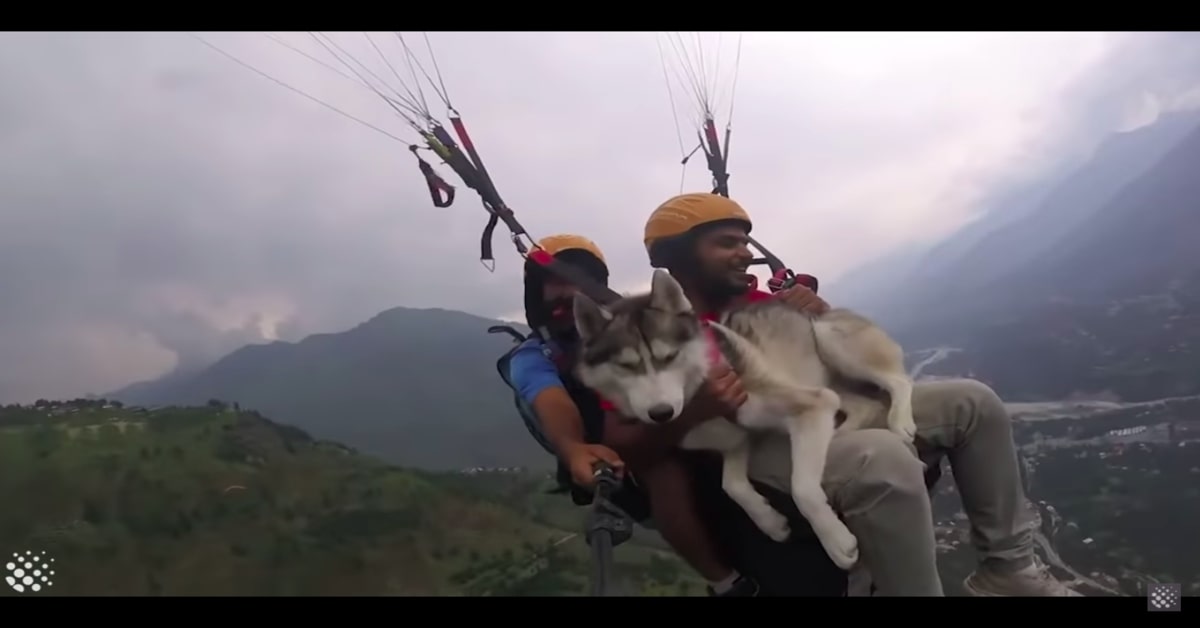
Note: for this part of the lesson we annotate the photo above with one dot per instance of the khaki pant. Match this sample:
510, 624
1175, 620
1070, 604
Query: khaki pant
877, 484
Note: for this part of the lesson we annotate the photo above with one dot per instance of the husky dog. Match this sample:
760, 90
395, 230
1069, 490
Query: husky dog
649, 354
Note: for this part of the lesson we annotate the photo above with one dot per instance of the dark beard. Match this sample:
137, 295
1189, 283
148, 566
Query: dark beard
561, 324
719, 292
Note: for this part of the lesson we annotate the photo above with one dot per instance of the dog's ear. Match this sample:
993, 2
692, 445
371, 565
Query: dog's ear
590, 317
666, 293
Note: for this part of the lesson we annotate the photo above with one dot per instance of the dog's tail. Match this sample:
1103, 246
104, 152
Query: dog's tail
900, 410
860, 351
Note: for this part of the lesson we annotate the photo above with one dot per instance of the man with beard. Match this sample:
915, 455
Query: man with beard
873, 478
569, 415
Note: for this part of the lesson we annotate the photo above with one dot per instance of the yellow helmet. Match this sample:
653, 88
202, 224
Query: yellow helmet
556, 244
680, 214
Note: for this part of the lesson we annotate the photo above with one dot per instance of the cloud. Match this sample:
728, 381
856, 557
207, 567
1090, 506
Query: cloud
160, 204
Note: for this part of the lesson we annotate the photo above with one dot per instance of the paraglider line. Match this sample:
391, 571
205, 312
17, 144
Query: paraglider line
298, 91
399, 106
737, 66
316, 60
358, 82
412, 59
436, 70
360, 64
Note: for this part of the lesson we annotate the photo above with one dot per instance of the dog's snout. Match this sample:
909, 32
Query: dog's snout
661, 413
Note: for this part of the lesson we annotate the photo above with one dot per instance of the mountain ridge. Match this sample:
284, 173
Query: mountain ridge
417, 385
1022, 223
1110, 311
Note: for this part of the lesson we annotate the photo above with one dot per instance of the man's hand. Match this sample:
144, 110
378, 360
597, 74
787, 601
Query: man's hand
721, 395
581, 459
803, 299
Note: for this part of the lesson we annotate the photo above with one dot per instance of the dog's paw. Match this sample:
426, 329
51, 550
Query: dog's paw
907, 432
842, 547
773, 524
905, 429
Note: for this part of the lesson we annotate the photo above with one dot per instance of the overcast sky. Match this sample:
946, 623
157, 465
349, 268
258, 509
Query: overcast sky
160, 203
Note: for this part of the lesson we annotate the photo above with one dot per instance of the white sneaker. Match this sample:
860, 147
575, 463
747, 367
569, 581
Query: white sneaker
1032, 581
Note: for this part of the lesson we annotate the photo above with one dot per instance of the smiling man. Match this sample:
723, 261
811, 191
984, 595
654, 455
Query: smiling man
873, 478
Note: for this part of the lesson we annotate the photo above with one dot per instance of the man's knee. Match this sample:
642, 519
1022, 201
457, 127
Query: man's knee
966, 404
977, 394
866, 466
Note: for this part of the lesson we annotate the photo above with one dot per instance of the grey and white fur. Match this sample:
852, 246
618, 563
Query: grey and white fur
649, 354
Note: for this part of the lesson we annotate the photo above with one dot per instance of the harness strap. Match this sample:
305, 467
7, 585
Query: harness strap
495, 214
470, 169
485, 241
441, 192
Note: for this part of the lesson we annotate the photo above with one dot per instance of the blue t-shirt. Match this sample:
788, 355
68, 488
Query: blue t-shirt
531, 370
